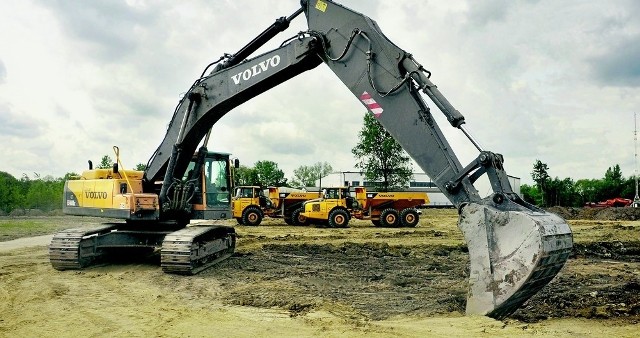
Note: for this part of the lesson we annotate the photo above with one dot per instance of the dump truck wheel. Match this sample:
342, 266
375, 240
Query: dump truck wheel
239, 219
297, 218
409, 218
251, 216
288, 220
389, 218
338, 218
376, 222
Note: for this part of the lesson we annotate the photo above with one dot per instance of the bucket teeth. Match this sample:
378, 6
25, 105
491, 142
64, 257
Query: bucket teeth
513, 254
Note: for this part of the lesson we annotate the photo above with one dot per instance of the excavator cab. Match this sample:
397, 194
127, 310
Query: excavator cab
212, 193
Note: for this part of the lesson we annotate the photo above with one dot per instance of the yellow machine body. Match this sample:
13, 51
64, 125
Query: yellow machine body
105, 193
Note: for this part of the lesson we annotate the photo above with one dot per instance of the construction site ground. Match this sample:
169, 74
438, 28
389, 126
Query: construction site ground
315, 281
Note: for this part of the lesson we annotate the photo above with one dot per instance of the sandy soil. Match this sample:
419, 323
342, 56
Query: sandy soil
310, 281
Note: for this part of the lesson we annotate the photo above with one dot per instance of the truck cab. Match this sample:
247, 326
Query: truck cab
248, 205
332, 207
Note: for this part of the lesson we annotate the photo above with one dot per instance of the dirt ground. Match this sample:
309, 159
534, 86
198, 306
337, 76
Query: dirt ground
312, 281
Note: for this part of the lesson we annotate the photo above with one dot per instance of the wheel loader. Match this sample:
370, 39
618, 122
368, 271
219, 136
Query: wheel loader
515, 248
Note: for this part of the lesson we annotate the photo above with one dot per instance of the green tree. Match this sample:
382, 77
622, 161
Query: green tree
20, 192
244, 175
629, 190
587, 190
380, 156
560, 192
306, 176
8, 194
70, 176
106, 162
44, 194
141, 167
540, 175
530, 194
613, 182
269, 174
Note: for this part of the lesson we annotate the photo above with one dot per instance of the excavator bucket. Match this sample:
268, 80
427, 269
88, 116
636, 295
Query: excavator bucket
513, 254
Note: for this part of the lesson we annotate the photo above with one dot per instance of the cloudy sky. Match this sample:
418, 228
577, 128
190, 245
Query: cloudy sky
550, 80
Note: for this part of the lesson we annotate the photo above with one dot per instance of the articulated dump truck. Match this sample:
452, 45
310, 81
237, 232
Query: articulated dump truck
251, 205
288, 204
388, 209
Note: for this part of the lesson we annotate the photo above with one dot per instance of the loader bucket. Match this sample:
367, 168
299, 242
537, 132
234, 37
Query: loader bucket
513, 254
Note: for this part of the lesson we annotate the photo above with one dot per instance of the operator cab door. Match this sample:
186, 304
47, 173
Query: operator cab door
214, 188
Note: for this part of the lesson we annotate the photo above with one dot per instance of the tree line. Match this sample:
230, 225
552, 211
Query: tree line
547, 191
45, 193
25, 193
377, 154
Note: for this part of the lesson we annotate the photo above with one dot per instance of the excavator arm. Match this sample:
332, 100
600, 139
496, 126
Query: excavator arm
515, 248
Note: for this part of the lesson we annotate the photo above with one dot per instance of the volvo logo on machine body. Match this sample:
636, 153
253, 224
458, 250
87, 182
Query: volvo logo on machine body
262, 66
98, 195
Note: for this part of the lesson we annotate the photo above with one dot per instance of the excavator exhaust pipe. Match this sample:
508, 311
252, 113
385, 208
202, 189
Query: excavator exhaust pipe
513, 254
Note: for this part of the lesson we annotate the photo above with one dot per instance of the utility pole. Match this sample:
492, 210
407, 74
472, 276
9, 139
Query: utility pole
636, 199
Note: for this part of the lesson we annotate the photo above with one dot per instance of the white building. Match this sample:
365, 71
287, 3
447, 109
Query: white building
419, 181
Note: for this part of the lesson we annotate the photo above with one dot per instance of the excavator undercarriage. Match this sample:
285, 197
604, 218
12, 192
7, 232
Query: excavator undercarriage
186, 251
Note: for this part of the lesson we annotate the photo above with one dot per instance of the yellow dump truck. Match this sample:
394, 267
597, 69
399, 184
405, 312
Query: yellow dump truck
287, 204
250, 204
388, 209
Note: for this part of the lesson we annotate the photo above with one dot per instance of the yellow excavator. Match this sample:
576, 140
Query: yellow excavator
515, 248
153, 219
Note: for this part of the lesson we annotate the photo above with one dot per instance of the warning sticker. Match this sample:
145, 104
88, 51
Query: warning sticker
368, 101
321, 6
